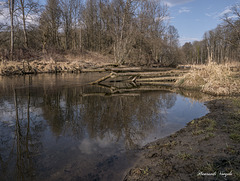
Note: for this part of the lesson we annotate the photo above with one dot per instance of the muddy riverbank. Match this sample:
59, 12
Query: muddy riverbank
206, 149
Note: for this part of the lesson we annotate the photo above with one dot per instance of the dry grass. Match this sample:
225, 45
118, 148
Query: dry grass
55, 63
213, 79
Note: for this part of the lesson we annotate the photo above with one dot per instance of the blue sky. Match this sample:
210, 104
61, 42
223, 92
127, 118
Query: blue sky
193, 18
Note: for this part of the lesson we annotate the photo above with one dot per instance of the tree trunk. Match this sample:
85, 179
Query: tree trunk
24, 24
11, 11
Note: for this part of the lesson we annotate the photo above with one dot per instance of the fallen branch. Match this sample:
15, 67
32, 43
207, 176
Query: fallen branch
143, 88
92, 70
113, 74
153, 74
138, 77
158, 79
110, 95
157, 83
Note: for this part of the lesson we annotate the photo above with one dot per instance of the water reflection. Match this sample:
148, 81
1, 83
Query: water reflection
19, 138
51, 128
126, 118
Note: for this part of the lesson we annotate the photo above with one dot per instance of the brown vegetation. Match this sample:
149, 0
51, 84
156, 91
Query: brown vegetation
56, 63
213, 79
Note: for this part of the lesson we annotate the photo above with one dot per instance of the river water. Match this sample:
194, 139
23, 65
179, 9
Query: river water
56, 127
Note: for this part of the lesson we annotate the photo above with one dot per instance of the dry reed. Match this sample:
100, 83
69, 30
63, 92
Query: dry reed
213, 79
50, 64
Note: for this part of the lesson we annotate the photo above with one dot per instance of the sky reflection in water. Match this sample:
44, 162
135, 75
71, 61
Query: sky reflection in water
51, 128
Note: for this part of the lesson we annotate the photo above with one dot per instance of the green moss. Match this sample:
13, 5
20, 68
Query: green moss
208, 136
236, 102
204, 126
184, 156
210, 129
231, 150
198, 132
207, 123
236, 175
235, 137
170, 144
208, 168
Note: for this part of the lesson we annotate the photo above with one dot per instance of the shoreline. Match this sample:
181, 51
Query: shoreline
206, 149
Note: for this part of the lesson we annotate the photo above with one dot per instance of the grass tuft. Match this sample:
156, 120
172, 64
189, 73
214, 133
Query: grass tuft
235, 137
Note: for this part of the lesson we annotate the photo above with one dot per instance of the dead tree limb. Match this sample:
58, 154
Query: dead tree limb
156, 79
113, 74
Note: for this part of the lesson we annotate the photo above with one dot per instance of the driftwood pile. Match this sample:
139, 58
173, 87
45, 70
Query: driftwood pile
130, 81
143, 76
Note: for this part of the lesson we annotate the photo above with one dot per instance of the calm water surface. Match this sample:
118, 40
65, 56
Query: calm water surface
55, 127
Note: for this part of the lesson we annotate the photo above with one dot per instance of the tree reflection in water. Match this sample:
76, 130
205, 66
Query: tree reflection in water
46, 126
126, 118
19, 137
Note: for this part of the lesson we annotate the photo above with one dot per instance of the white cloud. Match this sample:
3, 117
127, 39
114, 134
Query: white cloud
4, 17
211, 14
184, 10
166, 18
225, 11
184, 40
2, 3
217, 15
172, 3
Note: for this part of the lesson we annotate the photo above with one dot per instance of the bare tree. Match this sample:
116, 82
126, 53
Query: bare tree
11, 12
49, 24
27, 7
67, 18
77, 24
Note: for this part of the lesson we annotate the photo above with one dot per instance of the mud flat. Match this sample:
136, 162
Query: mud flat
206, 149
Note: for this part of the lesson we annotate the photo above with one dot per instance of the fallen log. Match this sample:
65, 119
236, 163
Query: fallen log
113, 74
135, 89
92, 70
109, 95
152, 74
135, 77
157, 79
157, 69
140, 88
125, 69
138, 69
157, 84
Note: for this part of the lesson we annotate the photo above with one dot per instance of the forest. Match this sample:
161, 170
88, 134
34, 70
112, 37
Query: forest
133, 32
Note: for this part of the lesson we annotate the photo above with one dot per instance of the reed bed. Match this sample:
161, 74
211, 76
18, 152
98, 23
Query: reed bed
43, 66
55, 63
213, 79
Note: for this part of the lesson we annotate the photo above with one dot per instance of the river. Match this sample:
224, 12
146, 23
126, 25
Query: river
57, 127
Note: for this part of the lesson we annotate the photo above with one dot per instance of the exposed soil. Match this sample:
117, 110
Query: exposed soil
208, 148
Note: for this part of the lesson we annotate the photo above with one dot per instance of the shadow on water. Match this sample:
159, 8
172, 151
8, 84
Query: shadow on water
55, 127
